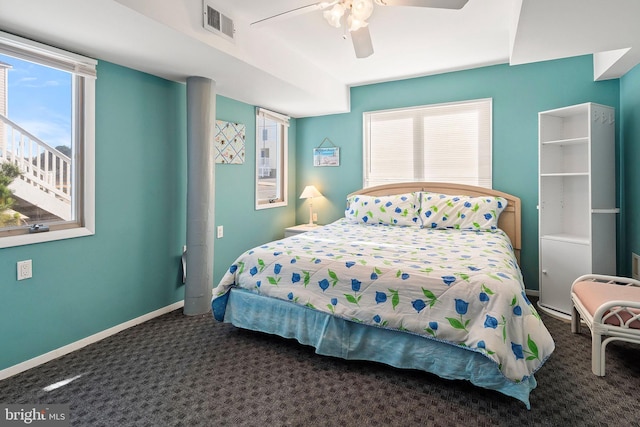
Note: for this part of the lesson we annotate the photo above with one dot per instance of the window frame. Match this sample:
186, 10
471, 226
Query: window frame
283, 160
83, 70
418, 145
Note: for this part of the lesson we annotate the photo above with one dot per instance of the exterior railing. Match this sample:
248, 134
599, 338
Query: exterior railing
42, 166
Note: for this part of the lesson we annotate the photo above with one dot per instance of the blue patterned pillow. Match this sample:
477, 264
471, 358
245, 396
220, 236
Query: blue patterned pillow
461, 212
399, 209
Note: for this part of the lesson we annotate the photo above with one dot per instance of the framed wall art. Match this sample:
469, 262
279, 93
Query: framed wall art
229, 142
326, 155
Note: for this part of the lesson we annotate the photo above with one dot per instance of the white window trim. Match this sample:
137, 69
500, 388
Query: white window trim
284, 121
86, 68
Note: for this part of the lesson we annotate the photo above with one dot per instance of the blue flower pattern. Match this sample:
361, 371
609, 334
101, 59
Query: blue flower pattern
410, 282
381, 297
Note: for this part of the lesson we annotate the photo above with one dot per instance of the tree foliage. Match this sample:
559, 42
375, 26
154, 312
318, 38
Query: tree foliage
8, 172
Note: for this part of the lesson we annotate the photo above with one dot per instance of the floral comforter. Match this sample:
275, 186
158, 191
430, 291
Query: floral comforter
462, 287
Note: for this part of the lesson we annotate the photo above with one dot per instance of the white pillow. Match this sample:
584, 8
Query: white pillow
461, 212
399, 209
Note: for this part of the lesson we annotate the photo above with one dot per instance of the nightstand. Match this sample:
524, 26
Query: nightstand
299, 229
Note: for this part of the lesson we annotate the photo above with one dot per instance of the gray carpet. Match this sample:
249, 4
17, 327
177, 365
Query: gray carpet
193, 371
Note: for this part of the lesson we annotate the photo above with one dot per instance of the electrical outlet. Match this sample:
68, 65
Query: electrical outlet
25, 270
635, 266
220, 232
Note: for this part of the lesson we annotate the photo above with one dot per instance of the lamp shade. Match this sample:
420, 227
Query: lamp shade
361, 9
310, 191
334, 15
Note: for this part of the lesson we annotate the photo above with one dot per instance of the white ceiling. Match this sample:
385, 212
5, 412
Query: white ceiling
303, 67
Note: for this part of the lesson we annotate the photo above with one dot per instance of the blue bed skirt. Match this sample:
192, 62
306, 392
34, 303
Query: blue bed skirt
332, 336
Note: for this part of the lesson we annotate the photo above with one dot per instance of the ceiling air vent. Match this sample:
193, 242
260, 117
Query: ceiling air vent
216, 22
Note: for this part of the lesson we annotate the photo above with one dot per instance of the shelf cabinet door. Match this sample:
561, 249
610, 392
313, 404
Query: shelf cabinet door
560, 264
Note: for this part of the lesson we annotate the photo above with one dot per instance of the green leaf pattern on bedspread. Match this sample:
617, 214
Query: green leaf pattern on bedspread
462, 287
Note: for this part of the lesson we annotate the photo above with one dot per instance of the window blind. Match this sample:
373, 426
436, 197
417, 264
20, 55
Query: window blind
443, 143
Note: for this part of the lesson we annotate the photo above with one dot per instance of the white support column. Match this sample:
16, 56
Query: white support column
201, 111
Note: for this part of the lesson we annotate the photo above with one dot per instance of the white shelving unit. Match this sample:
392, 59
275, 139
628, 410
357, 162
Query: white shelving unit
577, 213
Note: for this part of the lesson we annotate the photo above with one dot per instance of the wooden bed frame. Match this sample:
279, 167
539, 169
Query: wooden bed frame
509, 220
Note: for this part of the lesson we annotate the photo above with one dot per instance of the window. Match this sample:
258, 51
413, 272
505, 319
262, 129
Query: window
442, 142
271, 159
47, 119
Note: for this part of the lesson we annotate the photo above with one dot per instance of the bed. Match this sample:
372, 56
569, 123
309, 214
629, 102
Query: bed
415, 275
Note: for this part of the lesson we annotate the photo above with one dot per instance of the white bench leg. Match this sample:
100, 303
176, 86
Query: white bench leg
597, 356
575, 320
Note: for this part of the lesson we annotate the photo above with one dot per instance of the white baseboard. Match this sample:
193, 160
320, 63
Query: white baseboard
54, 354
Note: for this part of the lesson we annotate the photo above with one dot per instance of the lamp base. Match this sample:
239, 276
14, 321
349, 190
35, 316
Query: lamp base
310, 213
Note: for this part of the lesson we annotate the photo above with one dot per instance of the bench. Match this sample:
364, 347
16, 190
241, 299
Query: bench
610, 307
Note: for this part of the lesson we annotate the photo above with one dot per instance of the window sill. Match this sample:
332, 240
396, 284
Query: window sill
49, 236
270, 205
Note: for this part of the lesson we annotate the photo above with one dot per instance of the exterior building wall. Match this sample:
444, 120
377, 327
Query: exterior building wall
4, 101
4, 83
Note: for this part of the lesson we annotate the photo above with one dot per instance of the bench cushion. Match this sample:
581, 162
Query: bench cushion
594, 294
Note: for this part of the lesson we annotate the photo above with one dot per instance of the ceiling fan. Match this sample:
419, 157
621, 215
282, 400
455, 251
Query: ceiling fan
353, 15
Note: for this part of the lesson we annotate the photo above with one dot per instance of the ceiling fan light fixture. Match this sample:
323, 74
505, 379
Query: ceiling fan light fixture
334, 15
361, 9
354, 24
355, 14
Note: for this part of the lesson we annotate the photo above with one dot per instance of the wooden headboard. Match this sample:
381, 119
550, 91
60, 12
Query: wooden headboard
509, 220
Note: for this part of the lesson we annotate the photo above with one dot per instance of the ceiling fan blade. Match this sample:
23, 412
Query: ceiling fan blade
441, 4
362, 42
294, 12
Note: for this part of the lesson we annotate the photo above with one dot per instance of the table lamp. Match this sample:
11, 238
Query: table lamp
310, 192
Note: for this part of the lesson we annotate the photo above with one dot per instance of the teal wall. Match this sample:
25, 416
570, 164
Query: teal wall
518, 92
630, 130
245, 227
130, 267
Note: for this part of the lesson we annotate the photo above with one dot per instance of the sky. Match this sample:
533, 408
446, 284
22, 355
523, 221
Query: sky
40, 100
